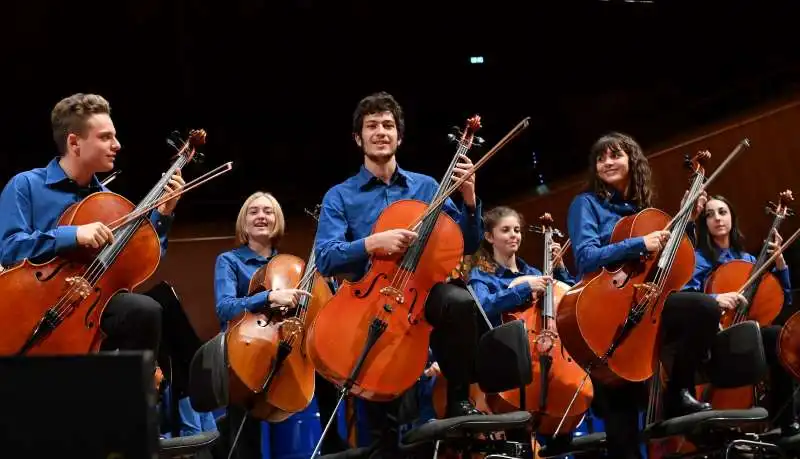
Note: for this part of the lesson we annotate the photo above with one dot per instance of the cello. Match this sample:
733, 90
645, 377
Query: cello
617, 342
381, 316
556, 376
371, 338
64, 298
764, 296
271, 372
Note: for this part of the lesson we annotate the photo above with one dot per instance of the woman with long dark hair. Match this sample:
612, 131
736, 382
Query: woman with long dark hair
620, 184
719, 241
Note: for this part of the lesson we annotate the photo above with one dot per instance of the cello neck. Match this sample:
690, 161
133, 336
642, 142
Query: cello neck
123, 233
414, 253
780, 211
184, 156
679, 224
547, 230
547, 270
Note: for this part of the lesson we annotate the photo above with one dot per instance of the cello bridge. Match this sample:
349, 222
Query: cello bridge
78, 289
290, 328
644, 292
397, 295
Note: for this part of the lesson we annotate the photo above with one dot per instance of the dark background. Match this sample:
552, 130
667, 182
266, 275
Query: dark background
275, 83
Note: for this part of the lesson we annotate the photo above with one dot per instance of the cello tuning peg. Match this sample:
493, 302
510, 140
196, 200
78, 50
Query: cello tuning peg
452, 138
199, 158
478, 141
557, 233
535, 229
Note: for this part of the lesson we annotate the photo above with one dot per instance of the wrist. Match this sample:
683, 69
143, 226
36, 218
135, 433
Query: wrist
369, 244
166, 210
780, 263
470, 200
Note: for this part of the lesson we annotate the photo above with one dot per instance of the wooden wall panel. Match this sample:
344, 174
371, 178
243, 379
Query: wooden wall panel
755, 177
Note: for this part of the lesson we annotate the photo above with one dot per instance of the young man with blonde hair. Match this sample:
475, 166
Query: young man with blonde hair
32, 202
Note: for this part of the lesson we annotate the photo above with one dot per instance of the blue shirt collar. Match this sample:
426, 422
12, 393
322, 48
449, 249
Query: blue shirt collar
245, 253
522, 268
55, 174
365, 179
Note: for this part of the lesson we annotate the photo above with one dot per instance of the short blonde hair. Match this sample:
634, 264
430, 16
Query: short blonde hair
280, 222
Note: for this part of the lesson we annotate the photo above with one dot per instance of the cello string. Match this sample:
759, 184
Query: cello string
401, 275
97, 267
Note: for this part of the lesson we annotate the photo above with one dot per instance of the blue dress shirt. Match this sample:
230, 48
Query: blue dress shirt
350, 209
30, 205
493, 293
232, 273
590, 222
703, 268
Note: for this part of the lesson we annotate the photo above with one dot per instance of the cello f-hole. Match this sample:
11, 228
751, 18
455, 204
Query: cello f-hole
60, 266
413, 305
89, 323
357, 293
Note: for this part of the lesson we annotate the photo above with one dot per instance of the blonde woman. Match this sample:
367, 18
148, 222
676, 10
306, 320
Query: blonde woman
259, 228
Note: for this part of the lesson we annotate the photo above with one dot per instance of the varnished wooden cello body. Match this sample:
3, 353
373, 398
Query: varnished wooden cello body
55, 307
609, 320
556, 377
789, 345
371, 337
271, 372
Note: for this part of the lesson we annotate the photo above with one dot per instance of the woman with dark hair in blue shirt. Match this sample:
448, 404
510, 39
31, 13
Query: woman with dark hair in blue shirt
502, 281
719, 241
620, 185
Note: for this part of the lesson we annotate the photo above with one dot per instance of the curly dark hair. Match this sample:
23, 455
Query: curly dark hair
641, 186
378, 102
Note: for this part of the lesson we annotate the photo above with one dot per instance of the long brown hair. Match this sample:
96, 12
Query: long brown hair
640, 190
484, 257
705, 242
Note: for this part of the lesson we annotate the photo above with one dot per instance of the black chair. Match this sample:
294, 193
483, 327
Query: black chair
503, 363
737, 359
191, 446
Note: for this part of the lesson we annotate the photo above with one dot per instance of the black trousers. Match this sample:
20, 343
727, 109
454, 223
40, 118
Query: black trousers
249, 444
327, 396
689, 323
132, 322
453, 314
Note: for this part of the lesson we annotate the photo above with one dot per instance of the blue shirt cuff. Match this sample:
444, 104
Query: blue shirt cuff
66, 237
160, 220
476, 210
257, 301
357, 249
524, 291
638, 247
